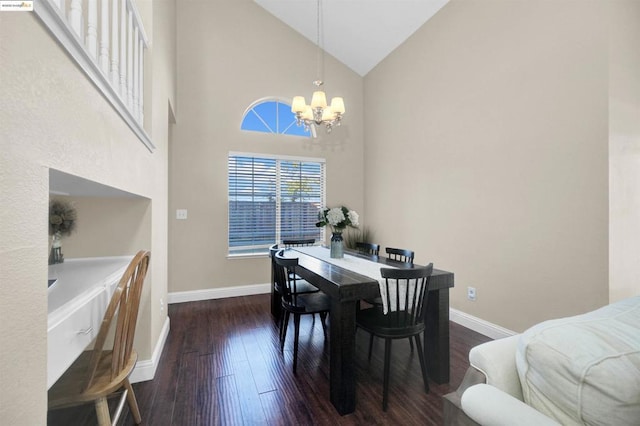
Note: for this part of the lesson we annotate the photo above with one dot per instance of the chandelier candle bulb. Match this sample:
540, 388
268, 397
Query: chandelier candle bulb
327, 114
337, 105
299, 104
319, 100
308, 113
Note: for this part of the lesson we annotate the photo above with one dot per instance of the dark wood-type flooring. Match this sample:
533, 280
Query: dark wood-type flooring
222, 365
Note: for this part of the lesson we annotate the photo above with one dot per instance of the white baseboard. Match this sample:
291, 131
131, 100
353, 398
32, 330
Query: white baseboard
146, 369
479, 325
476, 324
218, 293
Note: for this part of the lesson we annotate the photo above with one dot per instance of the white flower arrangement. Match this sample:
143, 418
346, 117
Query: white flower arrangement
338, 218
62, 217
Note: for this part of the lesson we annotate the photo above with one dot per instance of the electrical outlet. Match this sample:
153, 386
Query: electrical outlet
181, 214
471, 293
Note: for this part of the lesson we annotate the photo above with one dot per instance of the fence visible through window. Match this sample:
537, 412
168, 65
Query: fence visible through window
272, 199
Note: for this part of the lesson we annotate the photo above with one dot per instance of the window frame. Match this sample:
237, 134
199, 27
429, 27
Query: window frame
280, 100
257, 252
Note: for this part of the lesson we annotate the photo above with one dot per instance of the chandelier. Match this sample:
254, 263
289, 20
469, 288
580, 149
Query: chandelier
318, 113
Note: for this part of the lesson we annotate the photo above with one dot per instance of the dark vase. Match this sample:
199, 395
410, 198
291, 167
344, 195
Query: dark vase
55, 255
337, 245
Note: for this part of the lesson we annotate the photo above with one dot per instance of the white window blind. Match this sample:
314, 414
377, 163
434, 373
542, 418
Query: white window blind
272, 199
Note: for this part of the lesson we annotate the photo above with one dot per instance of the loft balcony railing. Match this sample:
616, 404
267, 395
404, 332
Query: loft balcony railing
107, 39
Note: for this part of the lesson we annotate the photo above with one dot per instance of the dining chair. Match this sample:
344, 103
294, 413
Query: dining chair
100, 372
296, 303
406, 296
299, 243
368, 248
401, 255
371, 250
302, 287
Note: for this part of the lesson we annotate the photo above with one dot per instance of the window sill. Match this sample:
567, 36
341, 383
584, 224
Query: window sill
246, 256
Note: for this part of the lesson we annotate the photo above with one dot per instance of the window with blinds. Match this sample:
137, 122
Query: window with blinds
273, 199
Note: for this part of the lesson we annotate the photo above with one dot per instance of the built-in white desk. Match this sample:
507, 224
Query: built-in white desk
77, 303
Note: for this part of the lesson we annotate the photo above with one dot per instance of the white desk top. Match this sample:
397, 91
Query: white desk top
77, 277
77, 303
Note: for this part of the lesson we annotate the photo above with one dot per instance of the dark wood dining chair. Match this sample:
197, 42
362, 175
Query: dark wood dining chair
368, 248
99, 373
401, 255
303, 287
407, 290
299, 243
296, 303
371, 250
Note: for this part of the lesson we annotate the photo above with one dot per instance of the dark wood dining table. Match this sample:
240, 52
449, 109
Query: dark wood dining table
346, 288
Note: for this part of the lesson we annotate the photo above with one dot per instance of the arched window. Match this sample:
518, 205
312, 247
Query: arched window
272, 116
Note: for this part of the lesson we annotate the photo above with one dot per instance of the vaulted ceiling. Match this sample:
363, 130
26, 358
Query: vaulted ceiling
359, 33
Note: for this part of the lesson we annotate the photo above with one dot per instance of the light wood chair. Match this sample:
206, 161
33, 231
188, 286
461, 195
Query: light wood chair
100, 372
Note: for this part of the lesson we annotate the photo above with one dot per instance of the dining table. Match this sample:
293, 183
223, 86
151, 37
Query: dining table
345, 288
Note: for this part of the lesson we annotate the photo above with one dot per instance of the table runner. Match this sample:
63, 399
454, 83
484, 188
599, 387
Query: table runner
360, 266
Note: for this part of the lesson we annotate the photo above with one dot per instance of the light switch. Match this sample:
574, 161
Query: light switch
181, 214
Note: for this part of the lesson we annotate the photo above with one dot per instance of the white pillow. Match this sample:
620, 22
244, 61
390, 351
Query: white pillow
585, 369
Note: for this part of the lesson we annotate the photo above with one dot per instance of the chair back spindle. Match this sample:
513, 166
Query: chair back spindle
401, 255
368, 248
304, 242
286, 276
406, 295
272, 255
125, 302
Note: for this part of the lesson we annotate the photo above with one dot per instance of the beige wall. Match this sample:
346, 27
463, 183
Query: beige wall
493, 161
624, 150
163, 99
231, 53
53, 117
496, 168
108, 226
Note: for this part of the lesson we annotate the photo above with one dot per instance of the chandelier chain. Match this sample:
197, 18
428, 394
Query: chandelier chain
319, 39
319, 112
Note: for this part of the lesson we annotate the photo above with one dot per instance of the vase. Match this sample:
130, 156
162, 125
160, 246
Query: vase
55, 255
337, 245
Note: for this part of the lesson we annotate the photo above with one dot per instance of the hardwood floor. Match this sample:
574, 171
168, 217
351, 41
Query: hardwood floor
222, 365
